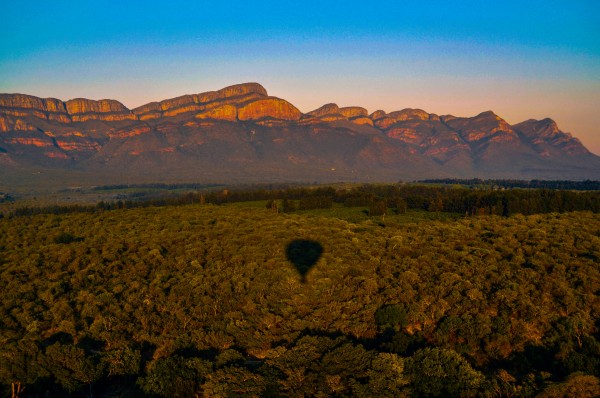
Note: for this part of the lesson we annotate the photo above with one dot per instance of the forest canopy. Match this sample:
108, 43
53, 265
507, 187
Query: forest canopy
423, 298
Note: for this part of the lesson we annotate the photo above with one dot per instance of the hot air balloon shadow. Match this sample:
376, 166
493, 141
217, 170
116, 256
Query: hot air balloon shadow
303, 254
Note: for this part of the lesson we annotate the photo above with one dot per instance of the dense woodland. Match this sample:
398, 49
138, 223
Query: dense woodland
417, 291
585, 185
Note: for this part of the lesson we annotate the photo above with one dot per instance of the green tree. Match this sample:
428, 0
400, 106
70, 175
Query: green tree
122, 361
70, 366
577, 385
442, 372
288, 206
229, 357
175, 376
386, 377
377, 208
21, 365
392, 317
436, 204
233, 381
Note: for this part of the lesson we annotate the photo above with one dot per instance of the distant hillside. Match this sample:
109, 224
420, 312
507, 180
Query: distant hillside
241, 134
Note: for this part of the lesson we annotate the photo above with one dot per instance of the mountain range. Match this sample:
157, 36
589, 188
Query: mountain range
241, 134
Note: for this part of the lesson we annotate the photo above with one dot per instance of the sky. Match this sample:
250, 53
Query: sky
523, 60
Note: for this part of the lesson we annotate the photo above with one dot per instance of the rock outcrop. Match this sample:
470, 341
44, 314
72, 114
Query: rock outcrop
332, 112
240, 89
378, 114
409, 114
81, 110
362, 120
236, 94
25, 105
270, 107
76, 110
353, 111
222, 112
325, 110
11, 123
30, 102
81, 105
486, 125
384, 122
546, 137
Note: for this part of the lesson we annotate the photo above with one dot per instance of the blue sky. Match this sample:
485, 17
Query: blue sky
523, 60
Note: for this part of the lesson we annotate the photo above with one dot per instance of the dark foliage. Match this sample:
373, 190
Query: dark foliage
66, 238
586, 185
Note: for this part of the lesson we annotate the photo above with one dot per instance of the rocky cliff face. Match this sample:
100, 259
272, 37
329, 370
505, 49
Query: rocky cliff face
236, 94
26, 105
547, 139
81, 110
225, 112
409, 114
268, 108
353, 111
242, 128
22, 101
327, 113
486, 125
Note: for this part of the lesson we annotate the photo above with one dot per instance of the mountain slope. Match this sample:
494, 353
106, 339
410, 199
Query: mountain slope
240, 133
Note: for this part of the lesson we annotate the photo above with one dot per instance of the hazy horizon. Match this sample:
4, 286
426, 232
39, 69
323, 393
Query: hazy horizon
535, 61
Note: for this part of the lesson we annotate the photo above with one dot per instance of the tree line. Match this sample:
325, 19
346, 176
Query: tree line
585, 185
379, 198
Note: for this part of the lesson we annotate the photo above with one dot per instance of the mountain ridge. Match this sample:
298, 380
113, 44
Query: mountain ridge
242, 131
